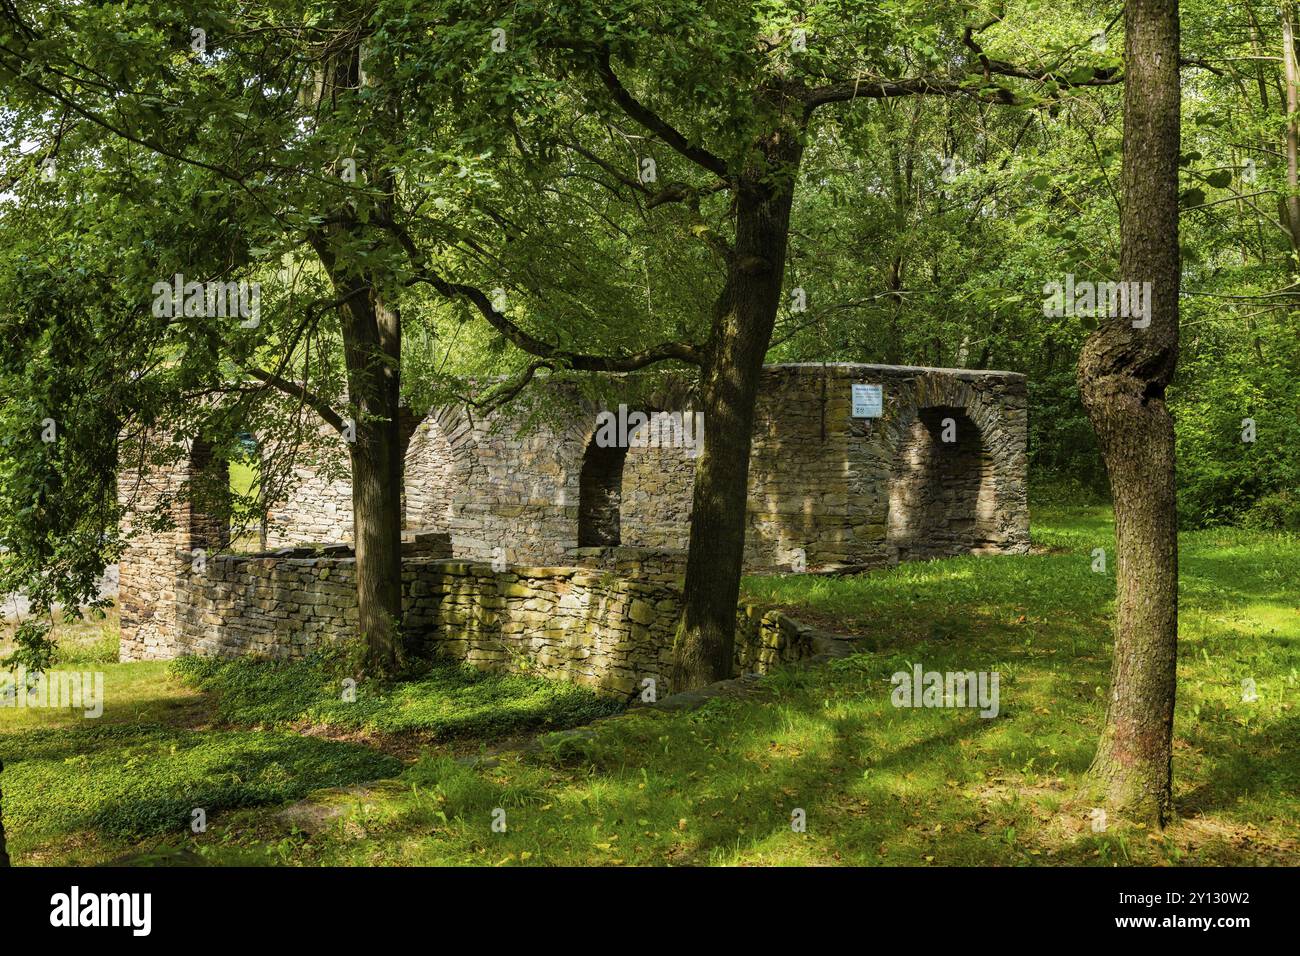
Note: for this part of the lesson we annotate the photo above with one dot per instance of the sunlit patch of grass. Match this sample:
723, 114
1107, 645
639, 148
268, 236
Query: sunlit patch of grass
446, 700
91, 640
132, 694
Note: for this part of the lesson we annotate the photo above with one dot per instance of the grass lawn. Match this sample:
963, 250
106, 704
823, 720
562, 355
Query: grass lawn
876, 784
448, 701
244, 479
203, 734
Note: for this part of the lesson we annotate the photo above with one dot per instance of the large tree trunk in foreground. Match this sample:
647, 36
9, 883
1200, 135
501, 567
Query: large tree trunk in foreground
742, 329
372, 351
1123, 372
372, 343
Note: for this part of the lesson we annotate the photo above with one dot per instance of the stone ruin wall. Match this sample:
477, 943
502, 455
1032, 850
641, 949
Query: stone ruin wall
865, 516
848, 492
942, 493
493, 483
318, 509
656, 505
834, 491
274, 604
151, 566
603, 629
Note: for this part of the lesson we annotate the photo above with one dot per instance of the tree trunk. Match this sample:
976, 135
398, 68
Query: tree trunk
743, 319
1291, 70
1123, 372
372, 344
372, 336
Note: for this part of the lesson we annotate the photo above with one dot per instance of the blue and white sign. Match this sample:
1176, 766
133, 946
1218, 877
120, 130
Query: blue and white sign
868, 401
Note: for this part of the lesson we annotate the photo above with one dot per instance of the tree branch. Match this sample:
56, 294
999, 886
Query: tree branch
298, 390
653, 122
525, 341
845, 90
506, 392
669, 193
529, 343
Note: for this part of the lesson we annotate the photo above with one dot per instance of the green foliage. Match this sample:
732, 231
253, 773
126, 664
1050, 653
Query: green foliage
1278, 510
33, 648
1236, 375
1063, 450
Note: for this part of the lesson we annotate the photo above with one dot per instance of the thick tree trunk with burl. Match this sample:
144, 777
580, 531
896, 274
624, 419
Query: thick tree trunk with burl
743, 319
1123, 373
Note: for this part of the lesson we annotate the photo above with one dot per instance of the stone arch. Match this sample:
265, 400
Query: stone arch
642, 493
948, 473
940, 489
600, 493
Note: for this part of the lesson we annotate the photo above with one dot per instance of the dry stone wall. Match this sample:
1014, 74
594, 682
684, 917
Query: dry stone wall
656, 504
823, 483
276, 604
592, 626
320, 511
166, 533
317, 507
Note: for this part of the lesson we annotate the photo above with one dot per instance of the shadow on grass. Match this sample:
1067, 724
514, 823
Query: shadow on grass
1266, 769
141, 781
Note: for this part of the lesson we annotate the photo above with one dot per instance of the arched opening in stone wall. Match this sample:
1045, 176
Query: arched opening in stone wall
247, 528
207, 504
600, 495
941, 493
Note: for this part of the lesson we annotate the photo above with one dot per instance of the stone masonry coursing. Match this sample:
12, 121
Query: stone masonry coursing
864, 517
319, 510
827, 491
599, 628
150, 568
825, 488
